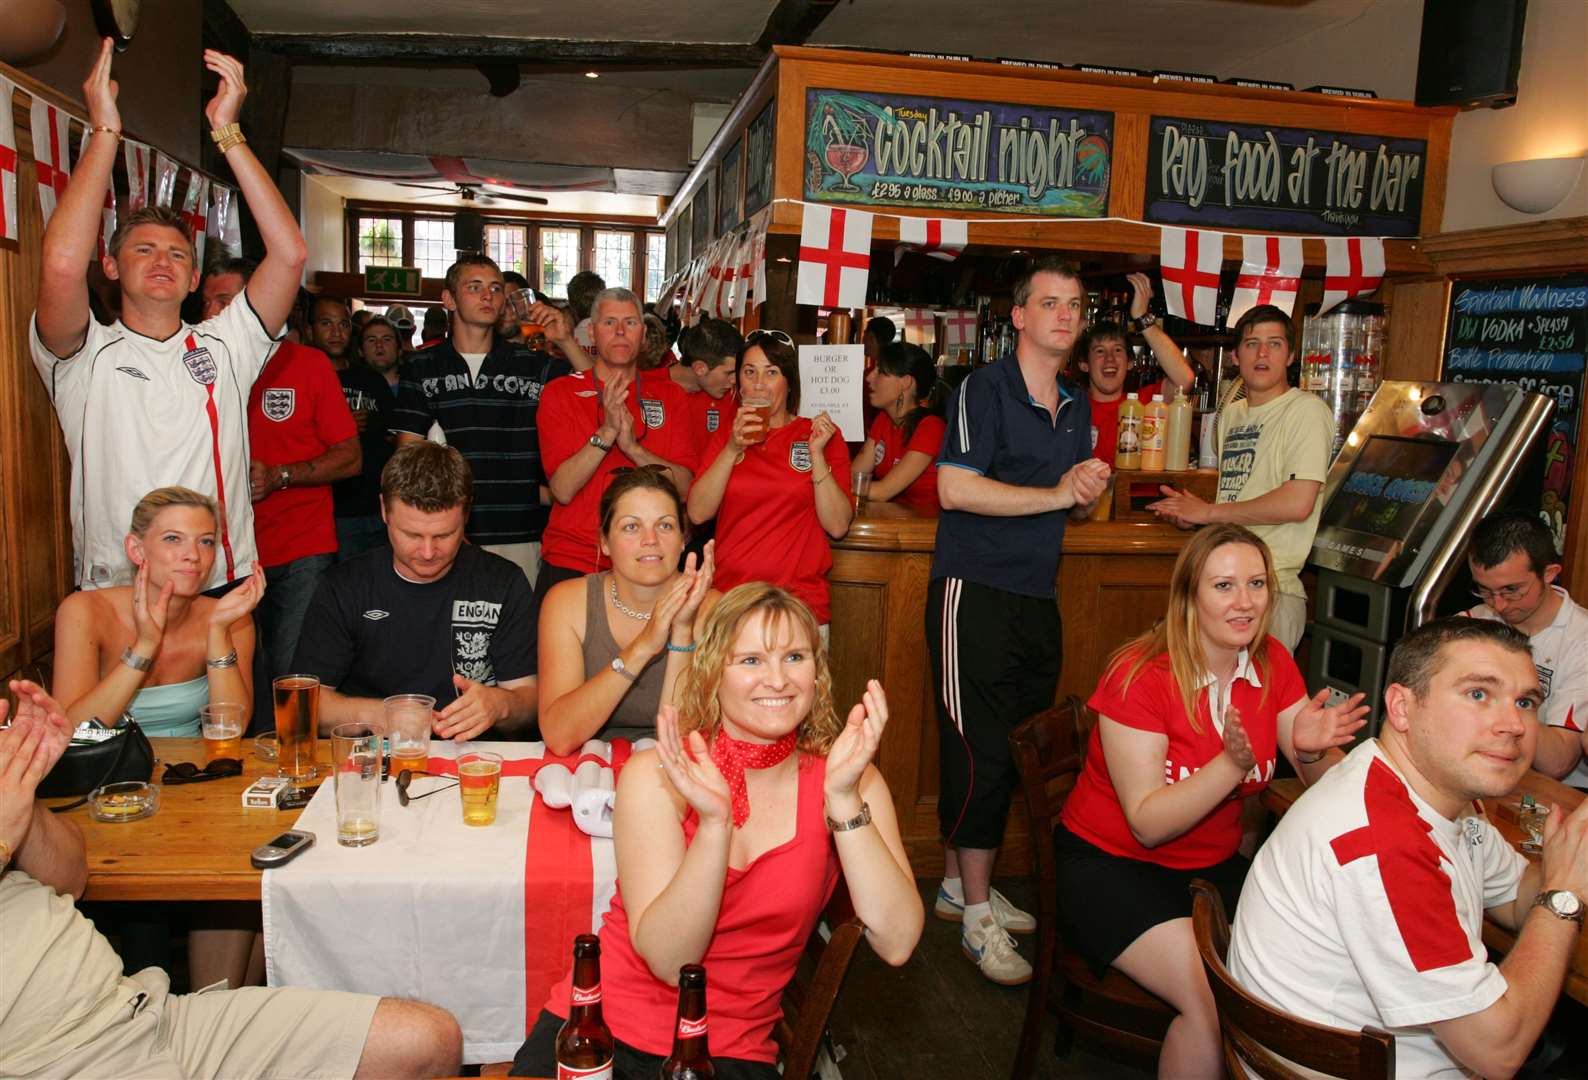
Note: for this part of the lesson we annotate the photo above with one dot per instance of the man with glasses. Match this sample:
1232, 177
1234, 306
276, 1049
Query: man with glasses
484, 393
603, 419
1514, 566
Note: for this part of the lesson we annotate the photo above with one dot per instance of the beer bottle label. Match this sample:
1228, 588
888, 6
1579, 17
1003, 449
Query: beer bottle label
586, 995
690, 1029
573, 1072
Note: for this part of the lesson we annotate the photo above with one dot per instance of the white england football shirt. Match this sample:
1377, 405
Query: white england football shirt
140, 414
1560, 653
1366, 906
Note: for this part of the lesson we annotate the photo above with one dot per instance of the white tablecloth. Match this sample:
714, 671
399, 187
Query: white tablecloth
454, 895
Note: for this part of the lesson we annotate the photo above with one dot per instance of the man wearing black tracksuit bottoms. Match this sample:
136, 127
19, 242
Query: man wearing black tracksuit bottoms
1016, 463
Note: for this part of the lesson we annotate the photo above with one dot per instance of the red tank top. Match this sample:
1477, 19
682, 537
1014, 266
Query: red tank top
768, 912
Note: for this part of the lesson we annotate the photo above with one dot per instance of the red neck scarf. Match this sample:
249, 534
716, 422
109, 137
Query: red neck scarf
733, 756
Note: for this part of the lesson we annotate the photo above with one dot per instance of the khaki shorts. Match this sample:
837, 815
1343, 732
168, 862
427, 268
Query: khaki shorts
288, 1033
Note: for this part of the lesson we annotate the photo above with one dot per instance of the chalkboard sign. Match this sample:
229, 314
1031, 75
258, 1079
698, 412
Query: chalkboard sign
1532, 332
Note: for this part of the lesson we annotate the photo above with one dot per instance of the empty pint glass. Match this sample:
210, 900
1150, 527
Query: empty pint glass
355, 764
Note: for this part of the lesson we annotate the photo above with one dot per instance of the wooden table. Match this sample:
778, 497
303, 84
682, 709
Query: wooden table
1281, 794
196, 846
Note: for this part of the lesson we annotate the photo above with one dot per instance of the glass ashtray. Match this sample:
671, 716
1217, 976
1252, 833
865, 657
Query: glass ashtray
267, 747
132, 800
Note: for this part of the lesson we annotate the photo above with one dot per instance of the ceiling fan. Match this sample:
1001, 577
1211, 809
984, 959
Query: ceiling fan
471, 192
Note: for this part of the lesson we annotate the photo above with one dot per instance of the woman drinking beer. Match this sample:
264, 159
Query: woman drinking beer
1190, 717
159, 649
777, 482
900, 451
730, 837
612, 643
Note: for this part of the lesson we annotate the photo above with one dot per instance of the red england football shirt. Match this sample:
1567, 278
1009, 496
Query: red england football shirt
709, 415
890, 448
767, 528
570, 412
296, 411
1152, 703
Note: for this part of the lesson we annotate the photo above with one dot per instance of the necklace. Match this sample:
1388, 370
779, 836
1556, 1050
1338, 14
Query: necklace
612, 588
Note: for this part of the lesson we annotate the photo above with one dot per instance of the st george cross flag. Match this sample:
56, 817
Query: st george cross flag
1189, 261
232, 231
8, 164
959, 328
743, 276
941, 238
1355, 267
1270, 272
195, 209
835, 257
919, 325
221, 198
711, 290
139, 159
165, 169
107, 224
51, 153
728, 261
758, 227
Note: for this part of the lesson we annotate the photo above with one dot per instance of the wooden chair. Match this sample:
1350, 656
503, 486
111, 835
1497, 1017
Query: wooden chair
809, 997
1256, 1034
1049, 749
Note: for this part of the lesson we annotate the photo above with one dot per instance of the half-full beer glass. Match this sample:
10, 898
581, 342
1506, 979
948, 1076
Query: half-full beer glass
479, 781
297, 723
408, 721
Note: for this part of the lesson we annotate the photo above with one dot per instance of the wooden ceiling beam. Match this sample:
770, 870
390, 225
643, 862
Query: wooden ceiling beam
459, 49
793, 22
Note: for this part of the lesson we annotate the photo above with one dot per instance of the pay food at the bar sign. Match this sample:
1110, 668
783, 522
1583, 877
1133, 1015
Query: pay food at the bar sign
833, 381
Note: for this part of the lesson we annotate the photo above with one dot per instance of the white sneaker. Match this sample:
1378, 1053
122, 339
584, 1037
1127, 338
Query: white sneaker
993, 951
1009, 917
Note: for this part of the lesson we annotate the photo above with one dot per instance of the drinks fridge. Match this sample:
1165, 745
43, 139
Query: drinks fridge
1340, 354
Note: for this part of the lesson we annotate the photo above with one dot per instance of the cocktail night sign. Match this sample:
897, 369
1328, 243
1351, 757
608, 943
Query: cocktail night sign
948, 154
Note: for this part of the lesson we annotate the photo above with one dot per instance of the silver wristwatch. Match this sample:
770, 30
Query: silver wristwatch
1141, 322
858, 821
595, 441
622, 669
1562, 904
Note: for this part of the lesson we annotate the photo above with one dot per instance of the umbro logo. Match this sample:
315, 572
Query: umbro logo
376, 614
134, 372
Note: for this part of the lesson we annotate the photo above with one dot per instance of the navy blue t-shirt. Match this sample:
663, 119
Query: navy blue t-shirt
997, 430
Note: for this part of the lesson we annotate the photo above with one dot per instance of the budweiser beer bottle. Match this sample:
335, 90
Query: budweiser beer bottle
691, 1056
584, 1044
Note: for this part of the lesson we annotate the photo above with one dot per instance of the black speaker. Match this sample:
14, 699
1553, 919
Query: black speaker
468, 231
1471, 52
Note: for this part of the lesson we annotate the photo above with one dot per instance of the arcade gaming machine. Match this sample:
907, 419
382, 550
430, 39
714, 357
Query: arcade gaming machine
1422, 465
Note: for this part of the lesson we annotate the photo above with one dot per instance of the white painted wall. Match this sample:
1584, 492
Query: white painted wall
1549, 119
320, 218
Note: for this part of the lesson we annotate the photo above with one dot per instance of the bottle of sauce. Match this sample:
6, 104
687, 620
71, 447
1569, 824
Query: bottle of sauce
584, 1046
1154, 426
1127, 451
1177, 436
691, 1056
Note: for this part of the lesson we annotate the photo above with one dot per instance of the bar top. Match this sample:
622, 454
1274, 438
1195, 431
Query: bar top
888, 526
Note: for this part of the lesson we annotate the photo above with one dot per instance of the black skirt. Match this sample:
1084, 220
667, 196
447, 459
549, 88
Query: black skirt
1107, 901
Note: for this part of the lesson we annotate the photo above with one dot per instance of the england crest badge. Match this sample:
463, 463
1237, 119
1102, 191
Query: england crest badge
653, 413
277, 403
799, 456
713, 418
200, 365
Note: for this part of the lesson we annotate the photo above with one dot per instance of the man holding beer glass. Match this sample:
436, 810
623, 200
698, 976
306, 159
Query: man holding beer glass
369, 633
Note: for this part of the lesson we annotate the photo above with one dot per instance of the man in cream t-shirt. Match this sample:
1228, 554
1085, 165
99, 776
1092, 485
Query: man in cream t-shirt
1273, 458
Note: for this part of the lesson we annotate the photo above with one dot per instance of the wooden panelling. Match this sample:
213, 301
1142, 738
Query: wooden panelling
1416, 328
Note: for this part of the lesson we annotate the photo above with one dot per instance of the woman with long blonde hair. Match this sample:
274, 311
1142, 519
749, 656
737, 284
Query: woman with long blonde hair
1191, 715
730, 838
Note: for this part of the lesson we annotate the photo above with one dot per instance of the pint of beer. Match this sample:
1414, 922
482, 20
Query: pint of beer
297, 723
222, 725
761, 407
479, 781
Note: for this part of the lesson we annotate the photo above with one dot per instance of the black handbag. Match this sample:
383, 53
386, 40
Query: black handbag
84, 767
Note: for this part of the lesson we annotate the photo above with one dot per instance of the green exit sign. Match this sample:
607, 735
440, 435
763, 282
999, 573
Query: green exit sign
400, 280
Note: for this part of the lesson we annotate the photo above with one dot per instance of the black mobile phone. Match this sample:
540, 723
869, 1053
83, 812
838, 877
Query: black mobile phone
282, 850
297, 798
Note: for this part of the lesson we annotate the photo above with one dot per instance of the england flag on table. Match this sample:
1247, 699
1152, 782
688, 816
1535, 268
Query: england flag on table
1189, 262
8, 165
139, 158
51, 153
941, 238
835, 257
1270, 273
107, 223
1355, 267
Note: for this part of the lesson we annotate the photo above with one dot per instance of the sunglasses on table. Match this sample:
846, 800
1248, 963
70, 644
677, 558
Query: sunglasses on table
407, 776
776, 335
185, 772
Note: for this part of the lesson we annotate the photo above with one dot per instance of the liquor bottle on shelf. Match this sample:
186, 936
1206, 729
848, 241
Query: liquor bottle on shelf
691, 1056
584, 1046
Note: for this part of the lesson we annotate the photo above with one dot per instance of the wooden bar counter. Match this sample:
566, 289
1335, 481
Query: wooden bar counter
1113, 583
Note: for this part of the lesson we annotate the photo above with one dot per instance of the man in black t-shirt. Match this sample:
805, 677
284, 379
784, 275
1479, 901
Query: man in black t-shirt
372, 399
432, 615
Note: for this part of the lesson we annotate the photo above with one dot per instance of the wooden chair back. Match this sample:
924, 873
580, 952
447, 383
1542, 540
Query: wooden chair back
1257, 1036
1050, 749
808, 999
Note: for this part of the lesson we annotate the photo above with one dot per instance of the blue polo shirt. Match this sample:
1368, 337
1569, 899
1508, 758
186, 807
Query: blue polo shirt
996, 429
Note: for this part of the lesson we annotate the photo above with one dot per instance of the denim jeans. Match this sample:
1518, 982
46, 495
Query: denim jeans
288, 590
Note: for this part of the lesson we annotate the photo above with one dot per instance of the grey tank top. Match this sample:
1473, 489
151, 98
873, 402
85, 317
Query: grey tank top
635, 715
